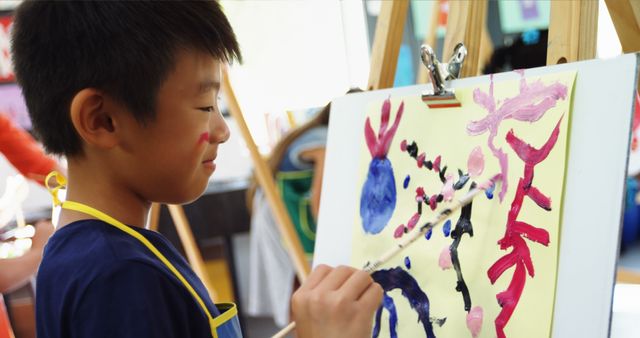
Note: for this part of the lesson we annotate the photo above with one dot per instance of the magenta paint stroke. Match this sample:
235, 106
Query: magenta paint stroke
400, 230
413, 221
436, 163
533, 101
379, 145
517, 230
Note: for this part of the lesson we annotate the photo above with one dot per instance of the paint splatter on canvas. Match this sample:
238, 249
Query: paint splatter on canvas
490, 269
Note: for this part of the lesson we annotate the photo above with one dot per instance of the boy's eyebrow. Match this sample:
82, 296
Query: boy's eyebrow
207, 85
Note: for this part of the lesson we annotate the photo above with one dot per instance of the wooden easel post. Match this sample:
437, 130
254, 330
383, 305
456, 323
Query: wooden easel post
194, 257
266, 181
386, 43
573, 27
431, 39
625, 15
466, 22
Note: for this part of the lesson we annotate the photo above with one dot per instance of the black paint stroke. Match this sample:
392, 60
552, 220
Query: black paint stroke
412, 149
442, 172
463, 226
464, 178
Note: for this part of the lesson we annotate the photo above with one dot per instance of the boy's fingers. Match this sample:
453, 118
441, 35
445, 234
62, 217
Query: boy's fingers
357, 284
372, 297
335, 279
315, 277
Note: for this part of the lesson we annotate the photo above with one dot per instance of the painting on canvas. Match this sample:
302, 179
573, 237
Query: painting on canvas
490, 269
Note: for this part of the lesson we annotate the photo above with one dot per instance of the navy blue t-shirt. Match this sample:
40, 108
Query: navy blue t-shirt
97, 281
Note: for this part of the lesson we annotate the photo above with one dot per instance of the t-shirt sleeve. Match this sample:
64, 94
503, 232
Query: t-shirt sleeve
133, 300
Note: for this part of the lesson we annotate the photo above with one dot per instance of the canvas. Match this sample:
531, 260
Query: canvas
490, 269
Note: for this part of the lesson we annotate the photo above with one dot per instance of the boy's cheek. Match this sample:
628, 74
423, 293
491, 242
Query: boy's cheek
204, 138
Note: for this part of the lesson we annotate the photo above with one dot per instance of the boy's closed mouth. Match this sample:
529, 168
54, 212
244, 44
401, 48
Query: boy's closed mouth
209, 163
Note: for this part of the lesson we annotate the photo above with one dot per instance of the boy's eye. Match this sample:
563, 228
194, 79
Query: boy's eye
209, 109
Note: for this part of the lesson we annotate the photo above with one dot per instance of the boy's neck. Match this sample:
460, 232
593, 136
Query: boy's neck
94, 187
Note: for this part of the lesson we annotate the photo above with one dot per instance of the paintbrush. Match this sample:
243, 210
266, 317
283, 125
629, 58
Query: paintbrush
370, 267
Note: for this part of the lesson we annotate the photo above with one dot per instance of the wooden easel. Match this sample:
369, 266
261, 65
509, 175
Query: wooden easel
466, 22
573, 27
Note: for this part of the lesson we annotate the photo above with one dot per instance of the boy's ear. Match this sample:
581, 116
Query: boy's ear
92, 120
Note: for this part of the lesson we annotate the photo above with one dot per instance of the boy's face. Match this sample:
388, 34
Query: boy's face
171, 159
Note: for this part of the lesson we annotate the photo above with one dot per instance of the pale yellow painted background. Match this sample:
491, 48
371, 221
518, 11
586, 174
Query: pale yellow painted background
443, 132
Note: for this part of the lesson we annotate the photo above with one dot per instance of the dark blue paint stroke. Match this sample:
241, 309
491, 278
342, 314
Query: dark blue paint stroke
489, 192
387, 304
378, 198
397, 278
405, 184
407, 262
446, 228
462, 181
428, 234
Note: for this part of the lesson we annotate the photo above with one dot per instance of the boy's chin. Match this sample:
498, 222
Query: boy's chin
186, 196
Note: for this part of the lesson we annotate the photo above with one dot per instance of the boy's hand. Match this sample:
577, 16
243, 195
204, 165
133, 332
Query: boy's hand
336, 302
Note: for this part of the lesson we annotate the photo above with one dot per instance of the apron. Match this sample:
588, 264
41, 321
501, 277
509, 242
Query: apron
227, 321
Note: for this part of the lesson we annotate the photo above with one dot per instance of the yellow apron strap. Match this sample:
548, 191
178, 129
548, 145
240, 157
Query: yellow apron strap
61, 182
231, 312
70, 205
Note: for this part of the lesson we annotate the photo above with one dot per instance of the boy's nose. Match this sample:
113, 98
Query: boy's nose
219, 130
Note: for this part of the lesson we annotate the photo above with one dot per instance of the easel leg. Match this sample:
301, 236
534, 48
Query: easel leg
154, 216
231, 265
191, 249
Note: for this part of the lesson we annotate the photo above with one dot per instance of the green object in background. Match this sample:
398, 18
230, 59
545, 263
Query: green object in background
295, 187
517, 16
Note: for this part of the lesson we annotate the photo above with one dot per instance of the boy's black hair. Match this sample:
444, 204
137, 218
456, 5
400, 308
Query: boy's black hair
126, 49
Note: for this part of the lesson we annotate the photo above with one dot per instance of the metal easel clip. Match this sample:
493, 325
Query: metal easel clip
440, 74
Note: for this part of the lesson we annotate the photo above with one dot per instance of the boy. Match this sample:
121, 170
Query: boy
127, 91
